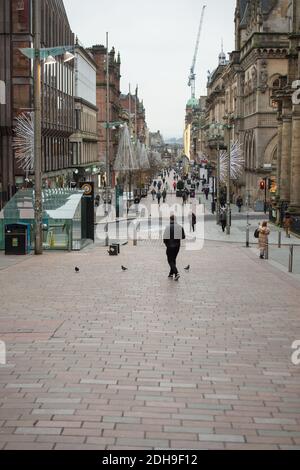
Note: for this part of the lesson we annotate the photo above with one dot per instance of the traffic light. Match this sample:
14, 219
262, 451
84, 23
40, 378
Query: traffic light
262, 184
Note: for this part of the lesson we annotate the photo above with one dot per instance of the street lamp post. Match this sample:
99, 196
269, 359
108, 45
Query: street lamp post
228, 127
107, 186
38, 207
217, 133
228, 182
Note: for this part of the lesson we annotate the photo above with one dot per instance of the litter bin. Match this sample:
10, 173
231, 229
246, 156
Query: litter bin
17, 239
114, 250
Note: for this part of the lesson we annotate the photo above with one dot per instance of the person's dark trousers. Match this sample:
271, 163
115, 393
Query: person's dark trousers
193, 227
172, 254
223, 226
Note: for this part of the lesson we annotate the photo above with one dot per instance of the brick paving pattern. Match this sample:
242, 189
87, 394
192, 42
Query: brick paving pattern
111, 360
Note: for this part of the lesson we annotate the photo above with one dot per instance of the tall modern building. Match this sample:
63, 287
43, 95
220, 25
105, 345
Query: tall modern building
17, 31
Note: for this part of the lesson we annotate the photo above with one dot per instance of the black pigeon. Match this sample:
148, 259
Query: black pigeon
124, 269
187, 268
77, 270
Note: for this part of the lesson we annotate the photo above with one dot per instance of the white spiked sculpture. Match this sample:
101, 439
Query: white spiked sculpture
237, 162
23, 142
126, 158
143, 158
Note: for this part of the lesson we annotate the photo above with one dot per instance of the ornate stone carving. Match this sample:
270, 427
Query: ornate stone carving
263, 84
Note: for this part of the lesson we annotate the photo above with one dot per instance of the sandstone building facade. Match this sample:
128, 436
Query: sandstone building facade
249, 92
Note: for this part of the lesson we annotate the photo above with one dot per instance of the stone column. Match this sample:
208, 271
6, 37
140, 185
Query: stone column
295, 157
279, 151
278, 173
285, 173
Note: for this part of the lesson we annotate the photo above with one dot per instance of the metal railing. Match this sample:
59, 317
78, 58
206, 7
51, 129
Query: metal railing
285, 253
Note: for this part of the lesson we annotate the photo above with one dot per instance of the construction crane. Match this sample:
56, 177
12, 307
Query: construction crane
192, 77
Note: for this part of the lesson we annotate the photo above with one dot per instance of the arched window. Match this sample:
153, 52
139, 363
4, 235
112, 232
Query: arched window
273, 88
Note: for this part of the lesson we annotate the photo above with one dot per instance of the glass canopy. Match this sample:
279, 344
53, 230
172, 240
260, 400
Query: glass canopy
61, 217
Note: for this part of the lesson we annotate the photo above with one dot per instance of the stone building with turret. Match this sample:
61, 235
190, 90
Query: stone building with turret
244, 90
287, 99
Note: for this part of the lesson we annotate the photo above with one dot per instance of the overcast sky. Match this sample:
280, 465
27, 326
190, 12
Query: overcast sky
156, 40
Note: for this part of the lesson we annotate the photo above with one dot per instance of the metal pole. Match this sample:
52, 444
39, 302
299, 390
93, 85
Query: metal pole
130, 133
38, 207
265, 205
291, 259
218, 181
248, 232
267, 251
279, 238
228, 182
107, 129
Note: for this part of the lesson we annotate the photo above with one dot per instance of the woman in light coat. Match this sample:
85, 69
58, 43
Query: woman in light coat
263, 240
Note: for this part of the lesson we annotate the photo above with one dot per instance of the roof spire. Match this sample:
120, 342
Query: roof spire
222, 55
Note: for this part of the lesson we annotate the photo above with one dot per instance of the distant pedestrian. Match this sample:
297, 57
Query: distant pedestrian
159, 185
173, 235
164, 195
174, 185
198, 185
263, 241
213, 206
287, 224
240, 203
206, 192
223, 219
153, 192
155, 184
192, 221
158, 197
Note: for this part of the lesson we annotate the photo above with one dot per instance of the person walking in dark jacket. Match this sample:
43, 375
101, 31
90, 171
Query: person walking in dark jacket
239, 203
173, 235
164, 195
223, 219
158, 197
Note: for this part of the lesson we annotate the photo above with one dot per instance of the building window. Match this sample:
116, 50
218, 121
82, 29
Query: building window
275, 87
20, 16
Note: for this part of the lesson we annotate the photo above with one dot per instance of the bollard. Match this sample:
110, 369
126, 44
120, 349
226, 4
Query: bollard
106, 236
291, 258
248, 236
279, 238
267, 251
135, 236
